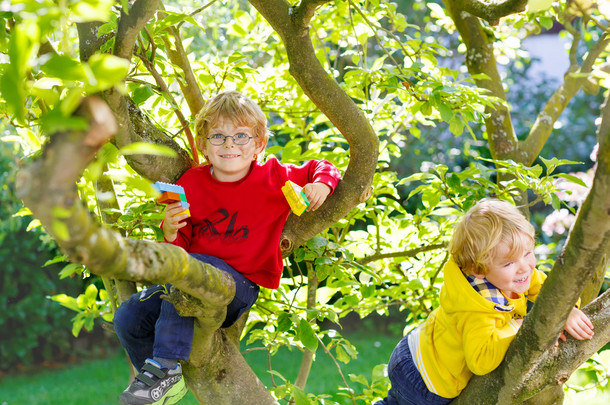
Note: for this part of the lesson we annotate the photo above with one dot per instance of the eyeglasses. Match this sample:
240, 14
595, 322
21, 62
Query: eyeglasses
238, 139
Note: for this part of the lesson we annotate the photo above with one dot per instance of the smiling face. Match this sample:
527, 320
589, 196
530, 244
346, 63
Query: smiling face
511, 270
231, 162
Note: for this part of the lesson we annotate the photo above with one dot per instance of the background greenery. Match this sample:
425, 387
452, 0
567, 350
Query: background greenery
430, 169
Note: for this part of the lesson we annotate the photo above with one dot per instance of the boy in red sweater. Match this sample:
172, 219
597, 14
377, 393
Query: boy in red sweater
237, 212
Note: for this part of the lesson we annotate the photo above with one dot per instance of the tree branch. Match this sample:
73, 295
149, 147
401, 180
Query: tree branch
542, 128
406, 253
133, 125
177, 55
588, 244
491, 11
480, 59
328, 96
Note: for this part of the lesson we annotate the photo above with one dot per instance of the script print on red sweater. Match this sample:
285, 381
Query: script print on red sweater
241, 222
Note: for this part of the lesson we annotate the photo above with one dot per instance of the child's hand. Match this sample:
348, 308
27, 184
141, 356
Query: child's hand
173, 220
579, 326
316, 193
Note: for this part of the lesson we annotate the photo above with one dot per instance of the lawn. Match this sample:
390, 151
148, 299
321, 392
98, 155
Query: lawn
99, 382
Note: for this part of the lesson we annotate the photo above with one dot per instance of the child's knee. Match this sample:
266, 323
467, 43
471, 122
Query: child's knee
125, 317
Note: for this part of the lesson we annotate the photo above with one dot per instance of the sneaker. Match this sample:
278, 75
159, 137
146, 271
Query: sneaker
155, 385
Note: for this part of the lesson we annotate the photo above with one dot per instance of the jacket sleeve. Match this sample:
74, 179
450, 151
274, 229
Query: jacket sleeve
538, 278
313, 171
486, 339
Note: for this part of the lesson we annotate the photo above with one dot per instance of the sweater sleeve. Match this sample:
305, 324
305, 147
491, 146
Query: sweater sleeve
314, 171
485, 344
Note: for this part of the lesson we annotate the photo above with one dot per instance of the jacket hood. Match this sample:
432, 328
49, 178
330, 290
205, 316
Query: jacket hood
457, 295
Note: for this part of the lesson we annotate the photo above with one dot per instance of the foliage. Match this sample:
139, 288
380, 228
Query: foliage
33, 328
389, 251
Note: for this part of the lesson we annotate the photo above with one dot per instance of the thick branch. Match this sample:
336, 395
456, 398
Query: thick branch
133, 126
188, 82
480, 59
587, 247
328, 96
542, 128
553, 369
492, 11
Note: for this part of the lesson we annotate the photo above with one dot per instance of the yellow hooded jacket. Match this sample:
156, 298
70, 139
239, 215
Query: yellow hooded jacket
467, 334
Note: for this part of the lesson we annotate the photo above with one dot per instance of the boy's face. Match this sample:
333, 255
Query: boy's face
231, 162
512, 274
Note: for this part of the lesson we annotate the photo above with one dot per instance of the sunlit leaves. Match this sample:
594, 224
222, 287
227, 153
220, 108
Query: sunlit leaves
89, 306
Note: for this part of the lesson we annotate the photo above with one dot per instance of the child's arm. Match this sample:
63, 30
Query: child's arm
484, 343
316, 194
578, 325
173, 220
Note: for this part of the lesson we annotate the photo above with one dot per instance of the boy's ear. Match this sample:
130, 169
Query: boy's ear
201, 146
476, 275
260, 148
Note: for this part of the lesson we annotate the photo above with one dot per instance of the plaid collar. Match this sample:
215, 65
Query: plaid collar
487, 290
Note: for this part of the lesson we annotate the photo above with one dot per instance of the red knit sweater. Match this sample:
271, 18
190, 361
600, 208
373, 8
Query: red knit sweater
241, 222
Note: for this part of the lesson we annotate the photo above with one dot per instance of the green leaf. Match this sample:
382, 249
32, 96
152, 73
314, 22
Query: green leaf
144, 148
342, 355
555, 201
22, 44
306, 335
65, 68
380, 372
446, 112
142, 93
91, 10
316, 242
284, 322
573, 179
66, 301
91, 294
69, 270
108, 71
299, 396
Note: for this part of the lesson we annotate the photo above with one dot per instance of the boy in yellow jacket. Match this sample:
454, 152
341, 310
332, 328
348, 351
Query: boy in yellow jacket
488, 280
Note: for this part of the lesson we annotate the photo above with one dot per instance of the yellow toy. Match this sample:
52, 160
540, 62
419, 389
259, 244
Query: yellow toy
296, 197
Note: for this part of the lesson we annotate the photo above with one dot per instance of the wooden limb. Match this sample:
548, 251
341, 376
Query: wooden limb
188, 82
531, 362
328, 96
480, 59
492, 11
130, 25
557, 103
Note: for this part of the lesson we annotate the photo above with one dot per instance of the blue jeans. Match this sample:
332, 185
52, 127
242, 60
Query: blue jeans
408, 388
148, 326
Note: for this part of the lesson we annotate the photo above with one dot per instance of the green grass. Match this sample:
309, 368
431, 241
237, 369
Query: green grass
99, 382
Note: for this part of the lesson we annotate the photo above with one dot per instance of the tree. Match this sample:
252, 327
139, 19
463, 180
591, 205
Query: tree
365, 97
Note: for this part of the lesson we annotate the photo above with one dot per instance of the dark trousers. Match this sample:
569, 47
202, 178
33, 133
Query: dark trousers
408, 387
148, 326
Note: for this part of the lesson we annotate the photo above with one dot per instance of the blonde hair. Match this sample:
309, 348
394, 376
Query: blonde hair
234, 106
485, 225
